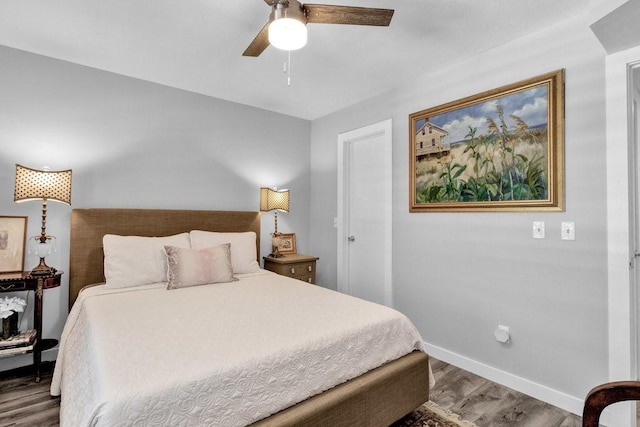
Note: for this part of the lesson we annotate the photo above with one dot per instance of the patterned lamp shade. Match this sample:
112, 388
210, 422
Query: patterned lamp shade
33, 184
271, 199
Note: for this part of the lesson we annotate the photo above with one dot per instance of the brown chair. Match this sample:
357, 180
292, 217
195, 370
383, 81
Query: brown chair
604, 395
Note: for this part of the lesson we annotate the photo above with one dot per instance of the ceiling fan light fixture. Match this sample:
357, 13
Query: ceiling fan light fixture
288, 29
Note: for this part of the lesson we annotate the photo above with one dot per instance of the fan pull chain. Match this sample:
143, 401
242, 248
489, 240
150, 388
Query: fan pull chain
287, 68
289, 76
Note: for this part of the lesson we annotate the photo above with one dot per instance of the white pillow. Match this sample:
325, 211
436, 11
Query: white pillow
136, 260
187, 267
243, 247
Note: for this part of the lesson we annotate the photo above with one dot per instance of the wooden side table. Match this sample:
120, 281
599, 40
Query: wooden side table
298, 266
16, 282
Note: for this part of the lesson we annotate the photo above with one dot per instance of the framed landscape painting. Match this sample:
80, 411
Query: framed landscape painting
501, 150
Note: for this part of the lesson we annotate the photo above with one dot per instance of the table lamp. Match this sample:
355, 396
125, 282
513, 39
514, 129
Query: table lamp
274, 200
33, 184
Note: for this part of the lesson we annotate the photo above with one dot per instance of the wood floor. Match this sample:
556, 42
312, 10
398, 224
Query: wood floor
488, 404
26, 403
23, 402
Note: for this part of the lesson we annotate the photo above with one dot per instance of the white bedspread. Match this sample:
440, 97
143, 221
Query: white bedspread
217, 355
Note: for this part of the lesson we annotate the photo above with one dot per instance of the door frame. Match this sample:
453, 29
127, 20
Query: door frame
623, 363
382, 129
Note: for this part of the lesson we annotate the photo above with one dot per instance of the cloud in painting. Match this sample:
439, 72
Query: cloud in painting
458, 128
533, 113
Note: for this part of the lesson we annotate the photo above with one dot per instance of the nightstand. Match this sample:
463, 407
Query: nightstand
298, 266
15, 282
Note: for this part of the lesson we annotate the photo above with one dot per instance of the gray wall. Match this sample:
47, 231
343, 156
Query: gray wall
136, 144
459, 275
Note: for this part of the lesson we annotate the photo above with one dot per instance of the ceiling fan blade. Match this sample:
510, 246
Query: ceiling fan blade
328, 14
259, 44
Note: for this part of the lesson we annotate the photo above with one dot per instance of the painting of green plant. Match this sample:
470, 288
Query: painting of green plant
492, 151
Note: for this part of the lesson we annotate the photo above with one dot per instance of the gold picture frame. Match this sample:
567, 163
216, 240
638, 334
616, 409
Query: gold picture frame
13, 235
500, 150
287, 243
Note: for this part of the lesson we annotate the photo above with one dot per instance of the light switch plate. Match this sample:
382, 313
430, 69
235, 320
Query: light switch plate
538, 229
568, 231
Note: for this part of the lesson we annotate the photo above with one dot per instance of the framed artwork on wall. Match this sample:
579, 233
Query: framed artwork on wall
13, 233
287, 243
500, 150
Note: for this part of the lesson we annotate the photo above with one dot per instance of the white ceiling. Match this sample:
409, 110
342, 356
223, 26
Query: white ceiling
197, 45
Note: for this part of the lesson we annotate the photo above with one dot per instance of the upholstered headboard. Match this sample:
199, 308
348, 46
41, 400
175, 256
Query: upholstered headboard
88, 226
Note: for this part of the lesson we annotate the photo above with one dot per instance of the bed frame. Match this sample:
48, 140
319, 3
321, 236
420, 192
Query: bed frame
377, 398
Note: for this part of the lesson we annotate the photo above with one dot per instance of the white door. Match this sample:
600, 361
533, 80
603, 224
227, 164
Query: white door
634, 223
622, 223
634, 200
364, 212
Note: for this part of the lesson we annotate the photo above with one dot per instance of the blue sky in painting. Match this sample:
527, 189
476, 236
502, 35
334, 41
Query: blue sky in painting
530, 105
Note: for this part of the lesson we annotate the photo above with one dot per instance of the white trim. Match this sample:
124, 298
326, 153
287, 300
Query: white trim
385, 129
538, 391
622, 357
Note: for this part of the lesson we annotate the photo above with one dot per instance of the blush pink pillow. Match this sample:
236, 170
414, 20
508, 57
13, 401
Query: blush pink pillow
188, 267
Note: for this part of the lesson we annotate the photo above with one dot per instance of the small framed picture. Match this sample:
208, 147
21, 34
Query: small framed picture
287, 243
13, 233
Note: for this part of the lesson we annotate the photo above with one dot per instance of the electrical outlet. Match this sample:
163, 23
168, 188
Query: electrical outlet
538, 229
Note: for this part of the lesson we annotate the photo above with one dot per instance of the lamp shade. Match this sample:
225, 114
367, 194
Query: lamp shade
33, 184
271, 199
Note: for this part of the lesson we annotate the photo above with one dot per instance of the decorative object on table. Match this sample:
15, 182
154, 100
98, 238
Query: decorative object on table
275, 200
19, 340
18, 344
276, 241
10, 325
287, 243
32, 184
13, 233
9, 309
501, 150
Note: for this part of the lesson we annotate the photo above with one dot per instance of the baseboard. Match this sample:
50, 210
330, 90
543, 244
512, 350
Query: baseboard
541, 392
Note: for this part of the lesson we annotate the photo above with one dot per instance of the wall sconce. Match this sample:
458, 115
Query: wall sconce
32, 184
274, 200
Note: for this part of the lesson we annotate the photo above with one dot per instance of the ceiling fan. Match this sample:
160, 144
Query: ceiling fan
286, 28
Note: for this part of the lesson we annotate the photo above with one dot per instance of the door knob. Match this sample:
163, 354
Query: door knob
351, 238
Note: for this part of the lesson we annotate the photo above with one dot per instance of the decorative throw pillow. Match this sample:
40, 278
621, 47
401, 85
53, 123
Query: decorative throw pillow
243, 247
137, 260
188, 267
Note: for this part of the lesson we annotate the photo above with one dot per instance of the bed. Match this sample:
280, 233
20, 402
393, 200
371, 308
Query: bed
258, 349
